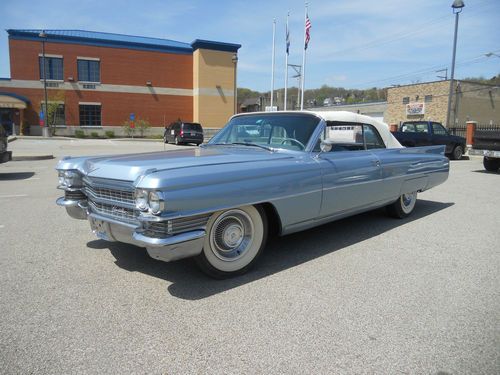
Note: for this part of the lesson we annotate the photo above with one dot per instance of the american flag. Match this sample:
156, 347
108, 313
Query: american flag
308, 34
287, 39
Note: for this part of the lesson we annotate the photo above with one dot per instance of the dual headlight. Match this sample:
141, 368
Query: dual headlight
70, 178
151, 201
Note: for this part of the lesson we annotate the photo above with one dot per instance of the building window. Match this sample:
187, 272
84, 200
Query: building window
89, 70
406, 100
56, 114
53, 68
428, 98
90, 115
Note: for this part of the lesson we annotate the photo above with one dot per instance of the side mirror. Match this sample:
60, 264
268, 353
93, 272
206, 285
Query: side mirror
325, 146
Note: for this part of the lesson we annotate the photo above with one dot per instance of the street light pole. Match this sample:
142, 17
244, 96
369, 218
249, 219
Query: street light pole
45, 129
457, 8
235, 62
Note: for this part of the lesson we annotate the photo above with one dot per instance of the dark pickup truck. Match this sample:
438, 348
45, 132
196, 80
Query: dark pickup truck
427, 133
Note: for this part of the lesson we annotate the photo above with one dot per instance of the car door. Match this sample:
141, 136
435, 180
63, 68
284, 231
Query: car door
352, 177
440, 137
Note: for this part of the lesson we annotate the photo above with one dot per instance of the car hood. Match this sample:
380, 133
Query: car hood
129, 167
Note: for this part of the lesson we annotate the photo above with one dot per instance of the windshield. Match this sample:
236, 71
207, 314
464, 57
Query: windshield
290, 131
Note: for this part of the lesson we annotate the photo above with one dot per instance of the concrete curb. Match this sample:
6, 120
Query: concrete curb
134, 139
31, 157
45, 138
11, 138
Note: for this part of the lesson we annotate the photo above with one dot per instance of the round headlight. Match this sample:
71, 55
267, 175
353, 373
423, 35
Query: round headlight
154, 203
141, 199
61, 181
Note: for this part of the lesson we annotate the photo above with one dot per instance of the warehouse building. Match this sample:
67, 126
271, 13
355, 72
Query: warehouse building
100, 80
429, 101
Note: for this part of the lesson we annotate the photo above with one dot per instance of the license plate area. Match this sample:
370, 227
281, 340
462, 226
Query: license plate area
101, 229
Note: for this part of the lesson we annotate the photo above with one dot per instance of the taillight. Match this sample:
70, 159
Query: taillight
181, 133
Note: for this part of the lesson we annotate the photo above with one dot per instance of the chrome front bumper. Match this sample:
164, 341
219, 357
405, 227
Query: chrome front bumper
167, 249
487, 153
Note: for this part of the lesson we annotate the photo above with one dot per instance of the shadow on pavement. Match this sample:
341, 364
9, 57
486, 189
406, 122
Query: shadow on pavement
16, 176
485, 171
280, 254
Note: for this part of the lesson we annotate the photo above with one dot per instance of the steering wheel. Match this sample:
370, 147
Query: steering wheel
293, 140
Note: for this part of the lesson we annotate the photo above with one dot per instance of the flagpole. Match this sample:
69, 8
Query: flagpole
272, 73
303, 76
286, 60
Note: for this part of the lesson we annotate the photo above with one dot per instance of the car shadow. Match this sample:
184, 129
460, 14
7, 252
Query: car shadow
281, 253
485, 171
16, 176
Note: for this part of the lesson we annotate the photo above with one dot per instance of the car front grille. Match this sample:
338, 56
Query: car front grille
168, 228
76, 195
113, 195
127, 215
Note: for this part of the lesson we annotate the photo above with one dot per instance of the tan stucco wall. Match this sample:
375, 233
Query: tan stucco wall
434, 110
213, 87
477, 103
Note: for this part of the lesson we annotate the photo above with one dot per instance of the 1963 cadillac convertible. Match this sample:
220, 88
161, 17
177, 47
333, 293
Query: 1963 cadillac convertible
285, 170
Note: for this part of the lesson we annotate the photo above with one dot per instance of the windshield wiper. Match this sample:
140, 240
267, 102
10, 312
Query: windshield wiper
252, 144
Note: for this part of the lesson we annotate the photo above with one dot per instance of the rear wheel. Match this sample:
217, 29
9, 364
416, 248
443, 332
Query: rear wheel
404, 206
491, 164
176, 141
235, 239
165, 139
457, 152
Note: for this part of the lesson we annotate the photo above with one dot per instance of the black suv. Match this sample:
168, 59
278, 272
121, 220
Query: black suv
183, 132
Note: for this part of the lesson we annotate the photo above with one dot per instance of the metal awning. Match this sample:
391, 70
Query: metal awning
11, 100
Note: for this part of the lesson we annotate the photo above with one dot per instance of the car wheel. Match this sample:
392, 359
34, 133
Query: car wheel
404, 206
176, 141
457, 152
491, 164
165, 140
235, 238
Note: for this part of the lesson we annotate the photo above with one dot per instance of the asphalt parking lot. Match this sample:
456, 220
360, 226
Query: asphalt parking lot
368, 294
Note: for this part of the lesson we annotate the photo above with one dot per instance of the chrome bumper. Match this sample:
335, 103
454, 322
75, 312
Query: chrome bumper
488, 153
167, 249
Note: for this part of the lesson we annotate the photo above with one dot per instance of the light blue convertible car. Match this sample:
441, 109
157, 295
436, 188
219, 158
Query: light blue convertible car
287, 171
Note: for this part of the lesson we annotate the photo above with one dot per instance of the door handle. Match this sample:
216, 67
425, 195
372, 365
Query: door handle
376, 163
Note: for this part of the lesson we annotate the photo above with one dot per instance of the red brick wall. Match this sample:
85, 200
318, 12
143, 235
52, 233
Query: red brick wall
119, 66
116, 107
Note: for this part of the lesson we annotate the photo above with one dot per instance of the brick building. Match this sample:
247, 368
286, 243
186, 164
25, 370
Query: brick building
429, 101
100, 79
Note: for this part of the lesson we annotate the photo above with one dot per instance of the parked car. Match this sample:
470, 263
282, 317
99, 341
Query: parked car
5, 155
282, 171
184, 132
427, 133
486, 143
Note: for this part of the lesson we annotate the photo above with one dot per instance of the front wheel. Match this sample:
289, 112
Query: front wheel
457, 152
404, 206
235, 239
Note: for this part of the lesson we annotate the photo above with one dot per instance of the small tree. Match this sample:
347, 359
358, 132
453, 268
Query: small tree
128, 129
143, 126
54, 101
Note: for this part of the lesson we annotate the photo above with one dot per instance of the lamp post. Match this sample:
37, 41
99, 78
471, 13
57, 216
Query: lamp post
45, 129
235, 62
457, 8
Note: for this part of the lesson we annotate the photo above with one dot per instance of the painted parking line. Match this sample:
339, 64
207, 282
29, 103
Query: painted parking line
13, 196
32, 178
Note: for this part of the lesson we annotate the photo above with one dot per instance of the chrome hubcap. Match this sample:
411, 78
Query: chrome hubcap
231, 235
408, 201
407, 198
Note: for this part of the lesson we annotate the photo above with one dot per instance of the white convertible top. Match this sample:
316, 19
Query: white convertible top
344, 116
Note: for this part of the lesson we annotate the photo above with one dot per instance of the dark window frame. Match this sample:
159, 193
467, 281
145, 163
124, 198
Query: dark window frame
88, 75
406, 100
50, 68
89, 115
428, 98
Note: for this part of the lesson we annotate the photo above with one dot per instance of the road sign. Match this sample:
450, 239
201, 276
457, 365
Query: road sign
132, 116
42, 117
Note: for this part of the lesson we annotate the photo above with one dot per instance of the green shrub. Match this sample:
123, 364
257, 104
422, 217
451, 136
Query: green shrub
142, 125
155, 136
94, 134
109, 133
128, 129
79, 133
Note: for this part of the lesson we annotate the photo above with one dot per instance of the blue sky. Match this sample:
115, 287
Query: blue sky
354, 43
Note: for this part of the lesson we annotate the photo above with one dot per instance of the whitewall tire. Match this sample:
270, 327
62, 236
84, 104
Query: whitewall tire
404, 206
235, 238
